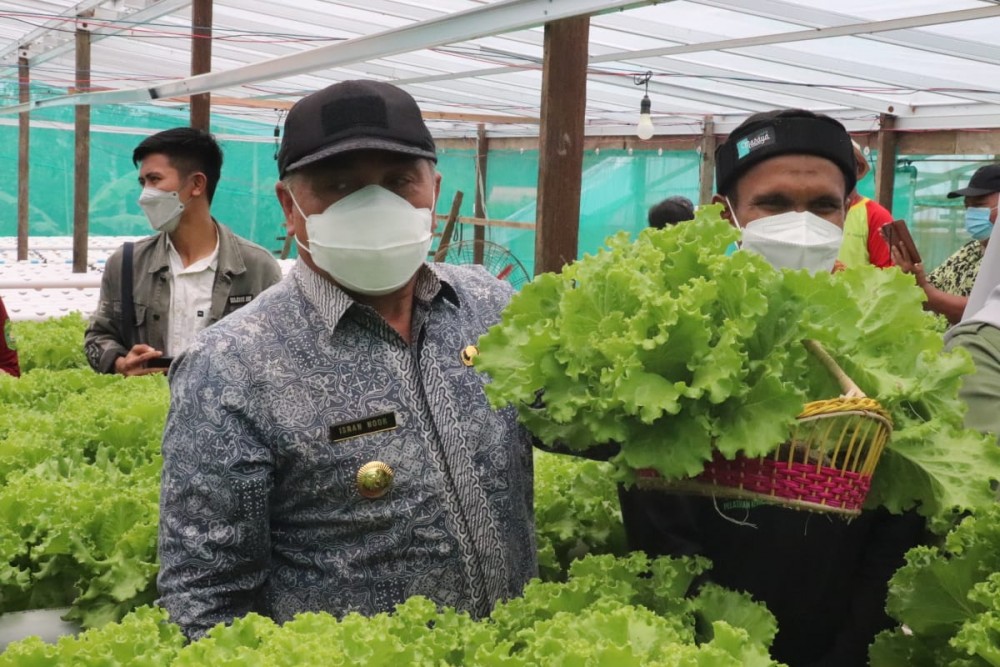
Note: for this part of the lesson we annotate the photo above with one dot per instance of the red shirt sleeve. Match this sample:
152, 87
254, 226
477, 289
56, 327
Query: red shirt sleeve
878, 249
8, 356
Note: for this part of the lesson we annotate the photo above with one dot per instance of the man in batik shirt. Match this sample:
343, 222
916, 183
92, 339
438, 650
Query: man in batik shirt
329, 446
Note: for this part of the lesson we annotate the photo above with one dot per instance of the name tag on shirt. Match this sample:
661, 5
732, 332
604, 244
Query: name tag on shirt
365, 426
240, 300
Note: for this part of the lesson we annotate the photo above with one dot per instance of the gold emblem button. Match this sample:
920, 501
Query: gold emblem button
469, 354
374, 479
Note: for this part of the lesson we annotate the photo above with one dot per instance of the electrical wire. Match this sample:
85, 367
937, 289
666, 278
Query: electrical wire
149, 29
64, 77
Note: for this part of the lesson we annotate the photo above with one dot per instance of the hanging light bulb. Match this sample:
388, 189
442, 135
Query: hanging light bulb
644, 128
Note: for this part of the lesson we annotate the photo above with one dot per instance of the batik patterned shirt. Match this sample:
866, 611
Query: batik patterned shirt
958, 273
260, 507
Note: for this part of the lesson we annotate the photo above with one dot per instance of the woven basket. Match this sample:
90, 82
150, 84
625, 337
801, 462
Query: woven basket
825, 466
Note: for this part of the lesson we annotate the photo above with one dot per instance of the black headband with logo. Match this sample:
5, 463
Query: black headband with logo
783, 135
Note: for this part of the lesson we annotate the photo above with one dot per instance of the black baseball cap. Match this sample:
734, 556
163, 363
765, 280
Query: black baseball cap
783, 132
352, 116
985, 181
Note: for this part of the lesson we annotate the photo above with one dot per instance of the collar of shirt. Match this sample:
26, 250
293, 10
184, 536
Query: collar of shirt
230, 260
332, 302
177, 267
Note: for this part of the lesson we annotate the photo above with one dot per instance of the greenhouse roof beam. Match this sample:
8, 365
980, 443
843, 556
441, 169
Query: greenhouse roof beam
832, 97
783, 56
969, 116
809, 95
510, 89
151, 13
482, 21
690, 94
902, 36
43, 31
860, 28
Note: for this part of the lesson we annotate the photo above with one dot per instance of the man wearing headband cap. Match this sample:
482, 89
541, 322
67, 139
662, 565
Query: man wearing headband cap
784, 177
783, 132
824, 579
330, 447
863, 240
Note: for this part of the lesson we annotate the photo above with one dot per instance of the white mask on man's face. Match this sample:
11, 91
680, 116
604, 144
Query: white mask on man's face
163, 209
793, 240
371, 242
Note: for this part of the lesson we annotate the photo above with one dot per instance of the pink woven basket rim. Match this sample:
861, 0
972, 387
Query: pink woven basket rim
816, 486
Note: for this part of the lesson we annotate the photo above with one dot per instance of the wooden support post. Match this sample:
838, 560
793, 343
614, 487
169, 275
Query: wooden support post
201, 60
23, 153
479, 209
706, 176
885, 170
81, 161
560, 150
286, 245
449, 228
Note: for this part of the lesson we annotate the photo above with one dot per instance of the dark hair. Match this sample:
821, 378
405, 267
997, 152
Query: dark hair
826, 138
189, 150
670, 211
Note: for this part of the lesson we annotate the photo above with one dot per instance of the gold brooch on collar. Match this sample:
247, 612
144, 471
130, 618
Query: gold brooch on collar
469, 354
374, 479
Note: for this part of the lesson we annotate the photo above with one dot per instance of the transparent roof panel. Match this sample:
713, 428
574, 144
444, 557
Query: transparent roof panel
935, 64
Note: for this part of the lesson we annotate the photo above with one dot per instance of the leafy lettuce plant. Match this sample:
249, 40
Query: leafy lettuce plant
629, 611
145, 638
54, 344
79, 484
621, 612
675, 350
79, 488
948, 597
576, 512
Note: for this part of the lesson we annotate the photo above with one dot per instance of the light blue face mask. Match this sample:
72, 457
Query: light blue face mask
977, 222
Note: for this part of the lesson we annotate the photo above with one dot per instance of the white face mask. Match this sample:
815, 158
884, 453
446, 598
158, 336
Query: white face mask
793, 240
371, 242
163, 209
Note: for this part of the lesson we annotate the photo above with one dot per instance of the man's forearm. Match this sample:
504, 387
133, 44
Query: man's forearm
951, 306
102, 351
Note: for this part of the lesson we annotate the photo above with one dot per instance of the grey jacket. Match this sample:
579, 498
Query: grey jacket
244, 270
